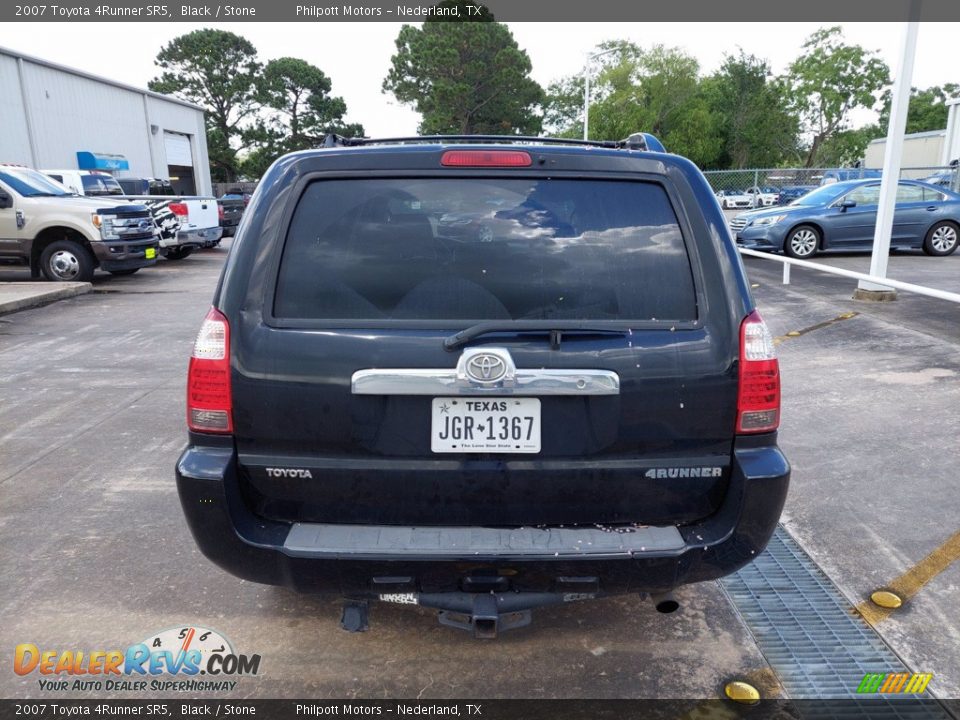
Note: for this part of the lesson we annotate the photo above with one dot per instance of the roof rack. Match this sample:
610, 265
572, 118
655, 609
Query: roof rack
637, 141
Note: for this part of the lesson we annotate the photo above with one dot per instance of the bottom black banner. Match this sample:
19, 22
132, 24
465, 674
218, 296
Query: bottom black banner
901, 707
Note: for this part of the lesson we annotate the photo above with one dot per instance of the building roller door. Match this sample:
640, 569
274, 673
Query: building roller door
179, 162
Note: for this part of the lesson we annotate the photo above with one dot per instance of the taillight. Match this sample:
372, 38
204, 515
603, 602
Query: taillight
758, 400
179, 209
220, 211
209, 402
485, 158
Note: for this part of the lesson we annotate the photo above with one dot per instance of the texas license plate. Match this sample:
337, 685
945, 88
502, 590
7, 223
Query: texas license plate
485, 425
150, 253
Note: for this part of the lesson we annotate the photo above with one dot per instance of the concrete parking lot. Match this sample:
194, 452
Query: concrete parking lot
97, 555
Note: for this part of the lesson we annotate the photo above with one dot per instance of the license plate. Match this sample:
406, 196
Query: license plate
150, 253
485, 425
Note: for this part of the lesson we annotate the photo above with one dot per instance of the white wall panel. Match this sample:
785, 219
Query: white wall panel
14, 140
72, 112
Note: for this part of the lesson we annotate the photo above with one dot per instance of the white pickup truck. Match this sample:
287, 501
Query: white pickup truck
185, 222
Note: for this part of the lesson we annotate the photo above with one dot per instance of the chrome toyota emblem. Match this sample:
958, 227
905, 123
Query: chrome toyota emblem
486, 367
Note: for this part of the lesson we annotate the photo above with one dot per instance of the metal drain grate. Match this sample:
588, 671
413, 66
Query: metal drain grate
807, 632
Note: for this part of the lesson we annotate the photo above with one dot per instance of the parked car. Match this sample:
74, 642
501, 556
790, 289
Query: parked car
789, 193
733, 199
762, 196
842, 216
237, 194
944, 178
232, 205
836, 175
146, 186
92, 183
66, 237
581, 402
185, 223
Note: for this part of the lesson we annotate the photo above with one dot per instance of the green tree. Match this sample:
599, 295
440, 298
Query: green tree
751, 114
656, 90
217, 70
828, 80
927, 111
563, 107
847, 147
301, 112
465, 78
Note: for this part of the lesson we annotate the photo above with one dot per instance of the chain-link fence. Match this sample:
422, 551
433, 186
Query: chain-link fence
738, 189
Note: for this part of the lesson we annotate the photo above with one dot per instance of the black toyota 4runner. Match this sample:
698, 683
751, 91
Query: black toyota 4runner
483, 375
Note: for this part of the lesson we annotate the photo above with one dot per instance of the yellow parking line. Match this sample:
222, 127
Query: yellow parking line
910, 583
798, 333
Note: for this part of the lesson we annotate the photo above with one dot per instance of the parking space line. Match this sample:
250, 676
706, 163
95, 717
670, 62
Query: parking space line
911, 582
799, 333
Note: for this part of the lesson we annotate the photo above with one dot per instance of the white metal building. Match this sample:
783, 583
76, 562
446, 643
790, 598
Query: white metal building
922, 149
951, 143
55, 117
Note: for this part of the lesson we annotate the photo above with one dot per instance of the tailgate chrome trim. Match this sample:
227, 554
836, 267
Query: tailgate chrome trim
446, 382
326, 540
484, 371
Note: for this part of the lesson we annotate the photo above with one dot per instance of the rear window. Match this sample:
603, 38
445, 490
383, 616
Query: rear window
484, 249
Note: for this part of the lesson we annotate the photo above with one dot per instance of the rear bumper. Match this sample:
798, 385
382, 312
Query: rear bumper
366, 562
201, 237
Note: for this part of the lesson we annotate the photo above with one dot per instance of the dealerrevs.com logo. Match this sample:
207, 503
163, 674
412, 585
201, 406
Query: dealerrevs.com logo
186, 659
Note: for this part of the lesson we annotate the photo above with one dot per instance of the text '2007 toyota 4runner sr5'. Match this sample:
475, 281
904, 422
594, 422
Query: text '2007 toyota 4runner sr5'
483, 375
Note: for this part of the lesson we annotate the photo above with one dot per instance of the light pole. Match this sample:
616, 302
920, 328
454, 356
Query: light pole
586, 89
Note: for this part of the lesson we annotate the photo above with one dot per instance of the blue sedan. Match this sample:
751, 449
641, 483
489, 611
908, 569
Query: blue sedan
842, 216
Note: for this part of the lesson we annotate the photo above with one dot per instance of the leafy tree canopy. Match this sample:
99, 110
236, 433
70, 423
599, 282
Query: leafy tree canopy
299, 112
752, 117
927, 111
217, 70
465, 78
830, 79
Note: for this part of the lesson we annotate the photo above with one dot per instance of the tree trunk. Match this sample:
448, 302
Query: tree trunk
814, 149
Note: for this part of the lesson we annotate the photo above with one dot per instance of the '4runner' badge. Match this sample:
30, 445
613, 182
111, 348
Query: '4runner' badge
684, 472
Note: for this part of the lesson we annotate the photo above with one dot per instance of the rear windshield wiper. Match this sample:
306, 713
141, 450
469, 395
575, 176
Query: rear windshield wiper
464, 336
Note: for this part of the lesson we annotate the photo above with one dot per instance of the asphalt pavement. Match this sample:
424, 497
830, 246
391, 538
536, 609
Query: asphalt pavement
97, 555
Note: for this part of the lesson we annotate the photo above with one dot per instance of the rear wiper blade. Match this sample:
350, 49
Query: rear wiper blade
464, 336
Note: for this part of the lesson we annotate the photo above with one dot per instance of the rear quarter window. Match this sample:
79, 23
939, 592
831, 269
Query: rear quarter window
474, 249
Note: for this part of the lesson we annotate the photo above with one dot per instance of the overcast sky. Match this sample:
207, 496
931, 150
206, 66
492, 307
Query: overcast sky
356, 56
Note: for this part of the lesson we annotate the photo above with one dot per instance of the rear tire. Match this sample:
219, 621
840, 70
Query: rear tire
802, 242
941, 239
178, 253
121, 273
66, 261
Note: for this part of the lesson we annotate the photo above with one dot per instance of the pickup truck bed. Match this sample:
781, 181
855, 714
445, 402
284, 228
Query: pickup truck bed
185, 222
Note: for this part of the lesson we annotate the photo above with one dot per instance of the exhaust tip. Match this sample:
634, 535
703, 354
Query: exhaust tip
667, 606
665, 603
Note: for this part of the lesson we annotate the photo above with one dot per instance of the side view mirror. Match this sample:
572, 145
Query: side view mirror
5, 200
846, 204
